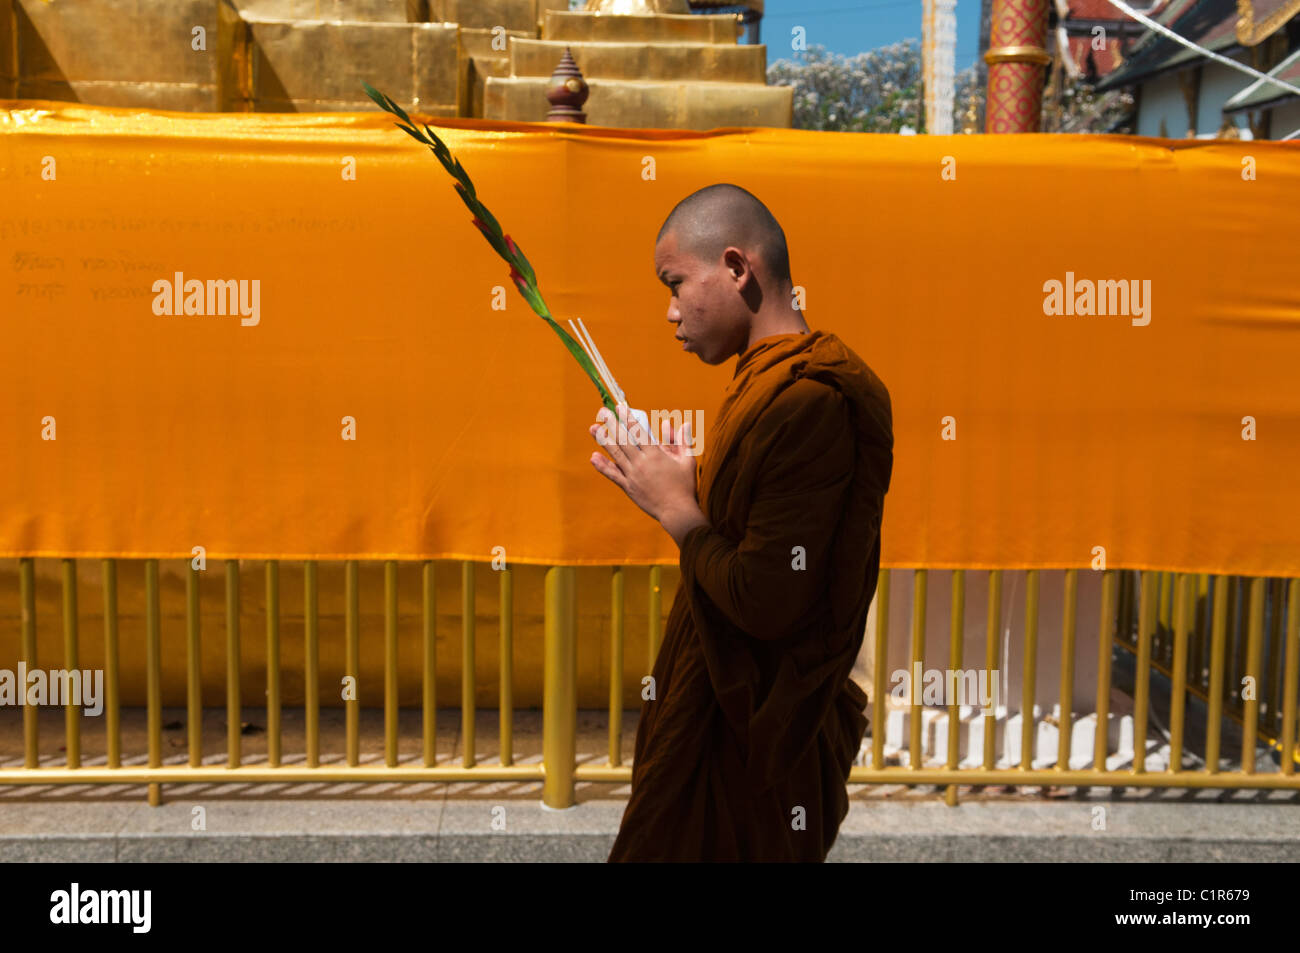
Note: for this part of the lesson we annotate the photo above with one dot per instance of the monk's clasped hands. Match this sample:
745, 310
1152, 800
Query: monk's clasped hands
657, 477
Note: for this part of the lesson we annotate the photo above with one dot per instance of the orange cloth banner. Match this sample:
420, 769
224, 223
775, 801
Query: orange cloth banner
1091, 343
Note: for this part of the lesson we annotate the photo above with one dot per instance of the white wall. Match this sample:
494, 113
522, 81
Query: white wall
1220, 83
1162, 97
1011, 659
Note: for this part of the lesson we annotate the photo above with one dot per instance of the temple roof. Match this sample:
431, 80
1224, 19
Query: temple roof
1261, 93
1208, 23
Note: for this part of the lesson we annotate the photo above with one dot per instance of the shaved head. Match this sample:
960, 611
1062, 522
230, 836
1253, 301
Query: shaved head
717, 216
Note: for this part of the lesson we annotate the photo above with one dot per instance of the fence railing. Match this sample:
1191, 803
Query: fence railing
1192, 630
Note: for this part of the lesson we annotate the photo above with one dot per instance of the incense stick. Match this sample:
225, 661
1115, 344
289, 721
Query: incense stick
600, 370
601, 360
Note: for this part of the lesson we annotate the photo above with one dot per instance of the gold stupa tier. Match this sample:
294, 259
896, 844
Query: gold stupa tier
580, 26
364, 11
642, 7
647, 103
107, 53
719, 62
650, 63
522, 15
276, 65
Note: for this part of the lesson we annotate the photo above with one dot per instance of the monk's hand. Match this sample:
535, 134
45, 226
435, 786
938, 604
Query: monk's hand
657, 477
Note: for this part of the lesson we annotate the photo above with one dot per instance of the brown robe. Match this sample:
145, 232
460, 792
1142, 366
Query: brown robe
744, 752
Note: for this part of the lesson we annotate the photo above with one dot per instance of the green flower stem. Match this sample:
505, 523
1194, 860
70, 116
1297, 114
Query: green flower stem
494, 235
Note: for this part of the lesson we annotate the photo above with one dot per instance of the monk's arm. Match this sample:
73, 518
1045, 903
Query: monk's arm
771, 581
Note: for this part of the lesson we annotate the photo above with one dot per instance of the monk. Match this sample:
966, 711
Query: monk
745, 749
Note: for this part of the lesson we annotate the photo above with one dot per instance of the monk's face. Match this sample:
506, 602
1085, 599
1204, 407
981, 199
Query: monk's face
706, 305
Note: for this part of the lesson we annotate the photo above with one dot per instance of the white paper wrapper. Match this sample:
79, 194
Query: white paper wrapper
641, 418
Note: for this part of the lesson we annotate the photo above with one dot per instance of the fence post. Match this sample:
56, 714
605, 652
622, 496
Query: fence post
560, 699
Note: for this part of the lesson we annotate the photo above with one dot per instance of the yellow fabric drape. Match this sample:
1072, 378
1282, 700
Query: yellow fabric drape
1022, 439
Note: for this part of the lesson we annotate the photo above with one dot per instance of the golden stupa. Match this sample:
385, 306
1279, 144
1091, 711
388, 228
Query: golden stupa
648, 63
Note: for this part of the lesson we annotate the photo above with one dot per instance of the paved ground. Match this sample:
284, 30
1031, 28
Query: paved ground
425, 826
506, 821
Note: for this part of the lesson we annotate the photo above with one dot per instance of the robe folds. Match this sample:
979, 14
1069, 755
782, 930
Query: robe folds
744, 753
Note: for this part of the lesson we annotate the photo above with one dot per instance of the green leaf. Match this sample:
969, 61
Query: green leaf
411, 132
473, 204
439, 147
490, 221
585, 362
461, 174
400, 111
376, 95
526, 268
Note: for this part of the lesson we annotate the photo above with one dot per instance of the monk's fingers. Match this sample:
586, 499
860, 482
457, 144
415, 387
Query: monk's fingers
629, 428
618, 440
609, 471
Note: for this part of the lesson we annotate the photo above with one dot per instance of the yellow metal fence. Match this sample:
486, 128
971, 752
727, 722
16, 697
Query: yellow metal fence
1206, 634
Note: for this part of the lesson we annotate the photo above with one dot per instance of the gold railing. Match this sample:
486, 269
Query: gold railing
1162, 618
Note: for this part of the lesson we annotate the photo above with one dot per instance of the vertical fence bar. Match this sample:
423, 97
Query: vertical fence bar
153, 673
1066, 692
1027, 692
507, 705
920, 585
311, 660
879, 660
27, 595
352, 646
1236, 636
273, 663
1110, 581
1142, 680
1215, 689
992, 644
955, 664
72, 708
1200, 631
656, 610
112, 694
1250, 706
1177, 702
390, 663
467, 613
1163, 631
232, 663
430, 636
560, 697
1291, 678
1125, 631
1273, 676
616, 667
193, 668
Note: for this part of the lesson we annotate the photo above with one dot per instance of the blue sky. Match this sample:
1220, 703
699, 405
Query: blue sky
852, 26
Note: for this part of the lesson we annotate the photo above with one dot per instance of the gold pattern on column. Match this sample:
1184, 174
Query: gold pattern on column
1016, 56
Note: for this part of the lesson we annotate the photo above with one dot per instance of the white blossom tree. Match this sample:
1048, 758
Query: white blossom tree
879, 91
